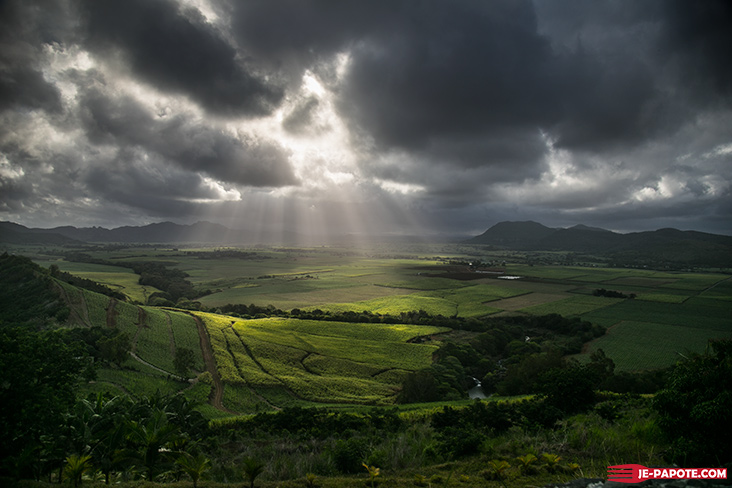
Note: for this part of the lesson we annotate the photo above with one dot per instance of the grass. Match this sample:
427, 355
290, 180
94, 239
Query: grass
155, 342
636, 345
185, 333
327, 362
690, 314
117, 278
96, 305
395, 305
572, 306
662, 297
672, 311
139, 380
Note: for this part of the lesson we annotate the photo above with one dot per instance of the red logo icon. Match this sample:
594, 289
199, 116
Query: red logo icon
635, 473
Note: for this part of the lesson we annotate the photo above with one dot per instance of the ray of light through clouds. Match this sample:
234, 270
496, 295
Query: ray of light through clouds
367, 118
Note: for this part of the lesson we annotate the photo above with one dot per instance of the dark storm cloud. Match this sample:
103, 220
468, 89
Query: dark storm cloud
459, 68
426, 75
698, 37
22, 84
194, 146
12, 194
137, 181
293, 35
463, 110
177, 50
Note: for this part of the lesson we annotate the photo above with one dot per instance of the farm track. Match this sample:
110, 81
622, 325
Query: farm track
75, 316
217, 395
142, 318
249, 353
140, 360
304, 366
85, 310
169, 321
111, 323
381, 372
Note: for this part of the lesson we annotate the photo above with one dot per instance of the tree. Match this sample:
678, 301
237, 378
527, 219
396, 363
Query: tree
252, 469
419, 386
76, 466
695, 408
183, 361
115, 349
40, 372
194, 467
98, 426
150, 440
568, 389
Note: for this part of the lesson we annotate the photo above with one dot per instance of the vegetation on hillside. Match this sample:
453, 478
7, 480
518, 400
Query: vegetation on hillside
549, 437
274, 362
27, 294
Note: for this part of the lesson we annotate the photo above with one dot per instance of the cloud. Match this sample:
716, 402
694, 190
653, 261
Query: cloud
457, 69
136, 180
697, 37
449, 114
22, 84
176, 49
301, 118
185, 141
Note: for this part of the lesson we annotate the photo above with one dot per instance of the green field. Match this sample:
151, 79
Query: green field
117, 278
642, 345
283, 362
314, 361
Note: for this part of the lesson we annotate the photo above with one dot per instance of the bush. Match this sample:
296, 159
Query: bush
348, 455
695, 409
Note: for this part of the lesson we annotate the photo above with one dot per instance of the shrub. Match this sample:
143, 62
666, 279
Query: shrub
694, 409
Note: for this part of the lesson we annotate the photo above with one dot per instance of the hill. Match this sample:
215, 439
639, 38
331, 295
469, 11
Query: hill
163, 232
663, 246
252, 365
157, 233
11, 233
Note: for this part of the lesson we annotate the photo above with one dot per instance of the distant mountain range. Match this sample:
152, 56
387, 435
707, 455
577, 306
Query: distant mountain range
164, 232
653, 247
663, 245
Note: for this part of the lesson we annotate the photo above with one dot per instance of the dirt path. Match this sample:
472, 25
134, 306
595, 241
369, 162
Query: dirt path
111, 323
74, 314
84, 309
139, 359
169, 321
217, 395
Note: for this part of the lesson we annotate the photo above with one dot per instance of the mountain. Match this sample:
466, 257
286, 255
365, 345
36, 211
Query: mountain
12, 233
163, 232
661, 246
160, 232
513, 234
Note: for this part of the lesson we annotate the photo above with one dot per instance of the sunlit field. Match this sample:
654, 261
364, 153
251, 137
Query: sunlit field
314, 361
678, 311
120, 279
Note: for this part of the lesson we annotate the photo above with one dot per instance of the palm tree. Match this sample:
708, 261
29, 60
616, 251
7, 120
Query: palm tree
252, 469
194, 467
76, 466
150, 440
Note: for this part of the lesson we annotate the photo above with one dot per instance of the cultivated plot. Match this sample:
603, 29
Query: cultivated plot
643, 345
313, 360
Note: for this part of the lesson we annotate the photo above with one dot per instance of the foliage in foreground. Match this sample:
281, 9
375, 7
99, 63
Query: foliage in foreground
695, 408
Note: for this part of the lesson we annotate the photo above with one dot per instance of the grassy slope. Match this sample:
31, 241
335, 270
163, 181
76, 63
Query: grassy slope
314, 361
673, 312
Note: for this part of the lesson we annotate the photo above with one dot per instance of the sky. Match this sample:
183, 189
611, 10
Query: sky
398, 117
